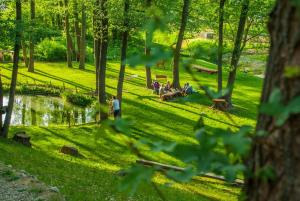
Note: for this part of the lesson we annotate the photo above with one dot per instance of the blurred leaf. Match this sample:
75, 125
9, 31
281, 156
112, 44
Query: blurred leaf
184, 176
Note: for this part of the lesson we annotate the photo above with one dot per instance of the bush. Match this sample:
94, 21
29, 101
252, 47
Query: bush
51, 50
79, 99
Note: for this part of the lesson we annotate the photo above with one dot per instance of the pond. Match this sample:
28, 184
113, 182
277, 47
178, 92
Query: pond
46, 111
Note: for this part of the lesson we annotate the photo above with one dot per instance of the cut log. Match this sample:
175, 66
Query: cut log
164, 167
220, 104
22, 138
158, 77
72, 151
205, 70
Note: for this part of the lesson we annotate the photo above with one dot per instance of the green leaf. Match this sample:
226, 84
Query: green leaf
184, 176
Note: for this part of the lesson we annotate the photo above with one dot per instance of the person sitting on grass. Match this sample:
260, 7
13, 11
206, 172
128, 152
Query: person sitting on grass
156, 86
116, 107
187, 89
161, 90
168, 86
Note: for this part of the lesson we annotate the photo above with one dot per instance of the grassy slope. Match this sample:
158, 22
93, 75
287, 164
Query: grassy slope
92, 178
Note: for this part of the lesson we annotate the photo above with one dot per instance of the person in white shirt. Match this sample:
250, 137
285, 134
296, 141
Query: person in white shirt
116, 107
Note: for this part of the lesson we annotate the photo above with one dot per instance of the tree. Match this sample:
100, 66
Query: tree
97, 39
279, 150
123, 53
103, 60
148, 41
31, 39
1, 102
13, 84
76, 26
220, 45
184, 18
68, 36
237, 51
83, 40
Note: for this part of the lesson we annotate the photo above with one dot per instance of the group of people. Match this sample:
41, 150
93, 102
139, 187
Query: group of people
161, 89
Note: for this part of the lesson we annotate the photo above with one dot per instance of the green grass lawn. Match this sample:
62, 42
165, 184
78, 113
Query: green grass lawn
93, 177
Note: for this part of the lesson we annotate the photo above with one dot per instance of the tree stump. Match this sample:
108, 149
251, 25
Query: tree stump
220, 104
23, 138
72, 151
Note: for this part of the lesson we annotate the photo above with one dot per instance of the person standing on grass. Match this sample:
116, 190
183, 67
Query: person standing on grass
116, 107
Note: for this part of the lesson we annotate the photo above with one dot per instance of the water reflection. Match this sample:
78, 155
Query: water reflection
45, 111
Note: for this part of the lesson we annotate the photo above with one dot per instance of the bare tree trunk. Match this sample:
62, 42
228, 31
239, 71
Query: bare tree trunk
24, 54
236, 54
184, 18
68, 36
31, 40
103, 60
1, 103
77, 29
220, 46
83, 40
123, 53
97, 51
148, 41
97, 40
280, 149
15, 69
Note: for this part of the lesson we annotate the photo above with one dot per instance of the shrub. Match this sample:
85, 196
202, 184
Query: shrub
51, 50
79, 99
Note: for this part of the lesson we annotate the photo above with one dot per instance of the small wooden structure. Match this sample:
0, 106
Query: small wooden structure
220, 104
2, 58
161, 77
205, 70
72, 151
23, 138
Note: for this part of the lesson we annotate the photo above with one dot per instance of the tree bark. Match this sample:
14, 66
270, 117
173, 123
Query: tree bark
220, 45
184, 18
24, 50
280, 149
68, 36
148, 41
103, 60
31, 39
236, 54
13, 84
76, 26
83, 40
1, 102
123, 54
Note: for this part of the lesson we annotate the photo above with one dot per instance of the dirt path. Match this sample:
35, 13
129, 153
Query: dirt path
20, 186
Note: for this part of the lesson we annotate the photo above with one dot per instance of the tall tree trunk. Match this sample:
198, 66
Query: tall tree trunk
76, 26
280, 149
97, 40
123, 54
68, 36
184, 18
220, 45
24, 50
148, 41
31, 39
15, 69
236, 54
103, 60
82, 40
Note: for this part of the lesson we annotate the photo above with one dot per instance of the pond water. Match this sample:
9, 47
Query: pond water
46, 111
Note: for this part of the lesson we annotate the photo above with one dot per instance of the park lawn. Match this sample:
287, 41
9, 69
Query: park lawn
93, 177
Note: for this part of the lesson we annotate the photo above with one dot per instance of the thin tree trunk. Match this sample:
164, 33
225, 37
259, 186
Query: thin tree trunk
24, 50
220, 46
15, 69
103, 60
280, 148
83, 40
148, 41
97, 40
236, 54
31, 39
123, 54
77, 29
68, 36
184, 18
